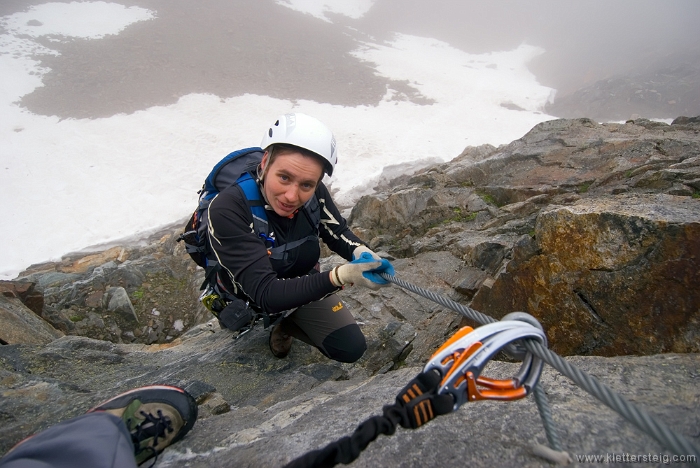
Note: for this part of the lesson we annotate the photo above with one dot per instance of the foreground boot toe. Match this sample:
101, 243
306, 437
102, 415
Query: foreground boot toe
156, 416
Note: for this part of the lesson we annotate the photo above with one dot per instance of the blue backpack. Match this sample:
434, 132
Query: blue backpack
239, 168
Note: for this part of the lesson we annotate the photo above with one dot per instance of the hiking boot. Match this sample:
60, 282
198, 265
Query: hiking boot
156, 416
280, 343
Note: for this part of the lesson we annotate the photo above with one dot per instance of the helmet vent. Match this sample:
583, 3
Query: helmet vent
269, 132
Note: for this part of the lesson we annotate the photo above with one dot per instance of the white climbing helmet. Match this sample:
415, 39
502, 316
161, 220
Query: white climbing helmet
305, 132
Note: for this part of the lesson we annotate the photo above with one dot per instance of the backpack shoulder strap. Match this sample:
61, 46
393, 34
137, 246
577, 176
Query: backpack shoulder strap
255, 201
312, 208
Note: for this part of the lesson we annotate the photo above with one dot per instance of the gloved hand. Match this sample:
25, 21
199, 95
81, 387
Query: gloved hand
374, 274
357, 253
351, 273
362, 271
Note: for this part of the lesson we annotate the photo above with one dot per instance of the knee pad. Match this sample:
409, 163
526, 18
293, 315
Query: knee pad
346, 344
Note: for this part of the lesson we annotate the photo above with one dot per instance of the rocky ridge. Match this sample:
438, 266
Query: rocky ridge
662, 92
593, 229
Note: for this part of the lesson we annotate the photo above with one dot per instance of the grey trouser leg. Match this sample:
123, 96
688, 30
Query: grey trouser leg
95, 440
329, 326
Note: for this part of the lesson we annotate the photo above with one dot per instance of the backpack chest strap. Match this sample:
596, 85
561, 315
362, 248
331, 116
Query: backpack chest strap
280, 252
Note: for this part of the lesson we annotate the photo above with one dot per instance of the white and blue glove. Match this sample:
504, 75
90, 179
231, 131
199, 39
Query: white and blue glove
363, 270
357, 253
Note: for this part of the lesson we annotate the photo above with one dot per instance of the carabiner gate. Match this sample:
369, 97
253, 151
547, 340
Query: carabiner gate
463, 357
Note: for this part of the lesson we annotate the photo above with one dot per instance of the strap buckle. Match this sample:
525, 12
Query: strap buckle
463, 357
267, 238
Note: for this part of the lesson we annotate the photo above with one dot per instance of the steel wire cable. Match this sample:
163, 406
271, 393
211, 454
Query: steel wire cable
640, 418
546, 415
637, 416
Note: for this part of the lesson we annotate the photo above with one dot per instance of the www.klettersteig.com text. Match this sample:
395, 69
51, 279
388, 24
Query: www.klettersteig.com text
636, 458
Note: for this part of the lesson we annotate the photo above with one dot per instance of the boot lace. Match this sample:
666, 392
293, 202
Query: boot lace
151, 426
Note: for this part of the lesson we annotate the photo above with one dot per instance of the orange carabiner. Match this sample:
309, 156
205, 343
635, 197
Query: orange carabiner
463, 357
502, 390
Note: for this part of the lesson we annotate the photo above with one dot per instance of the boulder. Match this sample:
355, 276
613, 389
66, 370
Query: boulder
25, 291
117, 300
610, 276
21, 325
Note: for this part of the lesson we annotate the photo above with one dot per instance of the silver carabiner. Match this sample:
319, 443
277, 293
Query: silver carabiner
464, 356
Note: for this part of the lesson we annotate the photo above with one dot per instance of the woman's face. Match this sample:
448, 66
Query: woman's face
290, 181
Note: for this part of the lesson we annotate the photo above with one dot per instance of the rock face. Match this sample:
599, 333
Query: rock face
664, 92
256, 410
139, 292
22, 325
20, 310
615, 275
24, 291
593, 229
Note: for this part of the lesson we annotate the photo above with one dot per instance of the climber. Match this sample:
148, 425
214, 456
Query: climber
297, 151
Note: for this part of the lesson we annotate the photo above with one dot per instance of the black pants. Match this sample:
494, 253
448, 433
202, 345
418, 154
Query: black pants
329, 326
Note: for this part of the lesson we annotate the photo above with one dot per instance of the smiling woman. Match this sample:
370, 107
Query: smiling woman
292, 178
277, 273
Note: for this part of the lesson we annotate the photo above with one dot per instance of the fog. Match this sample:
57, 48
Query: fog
229, 48
585, 41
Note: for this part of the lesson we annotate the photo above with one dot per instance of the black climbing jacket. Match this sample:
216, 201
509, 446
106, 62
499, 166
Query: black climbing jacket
275, 284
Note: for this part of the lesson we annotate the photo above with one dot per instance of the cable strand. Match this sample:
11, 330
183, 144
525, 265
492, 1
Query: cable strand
663, 434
